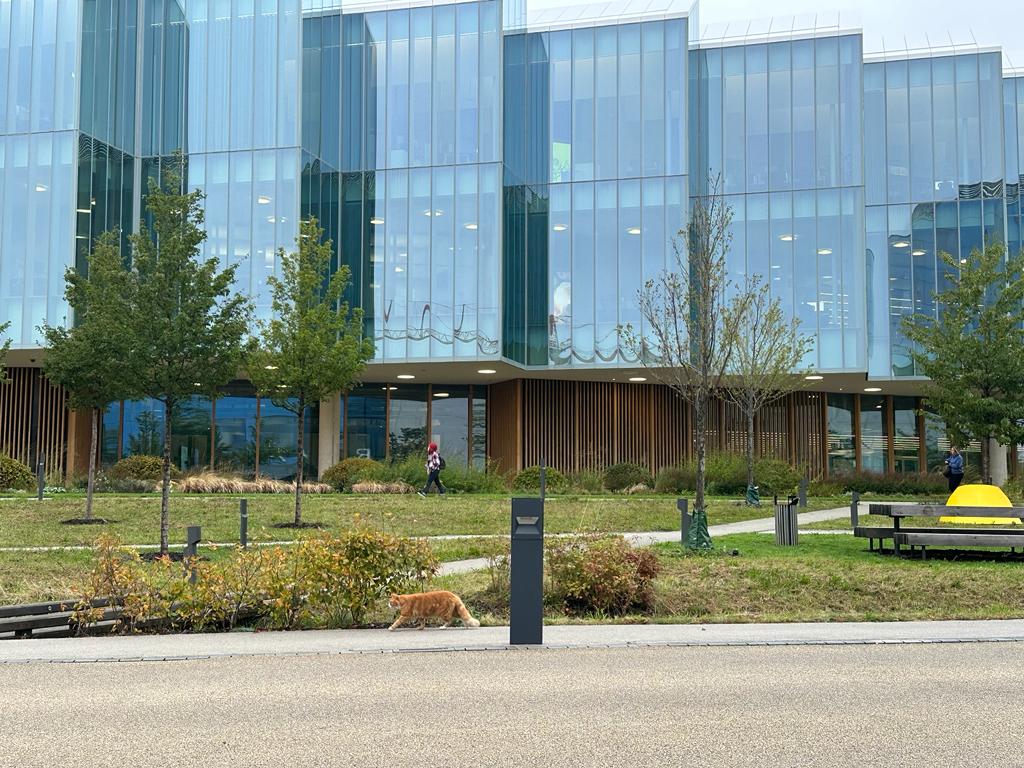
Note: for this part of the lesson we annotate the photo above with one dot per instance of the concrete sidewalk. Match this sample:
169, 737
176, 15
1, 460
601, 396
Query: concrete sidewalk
203, 646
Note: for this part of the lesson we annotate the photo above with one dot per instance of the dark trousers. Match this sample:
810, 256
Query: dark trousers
434, 476
954, 480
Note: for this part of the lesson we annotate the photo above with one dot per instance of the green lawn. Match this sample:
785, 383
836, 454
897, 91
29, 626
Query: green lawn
135, 519
825, 578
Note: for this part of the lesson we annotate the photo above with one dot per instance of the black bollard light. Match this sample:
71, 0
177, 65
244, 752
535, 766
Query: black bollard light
193, 535
526, 599
683, 505
41, 478
243, 524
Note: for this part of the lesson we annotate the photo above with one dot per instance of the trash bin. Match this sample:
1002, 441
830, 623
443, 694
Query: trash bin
786, 523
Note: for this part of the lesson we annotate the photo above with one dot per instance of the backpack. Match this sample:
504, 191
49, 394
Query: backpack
442, 464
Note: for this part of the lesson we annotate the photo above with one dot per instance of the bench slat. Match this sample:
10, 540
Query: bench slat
55, 606
884, 531
22, 623
937, 510
963, 539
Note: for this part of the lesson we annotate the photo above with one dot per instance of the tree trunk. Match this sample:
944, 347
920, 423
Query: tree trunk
750, 442
985, 459
299, 465
165, 485
92, 463
700, 418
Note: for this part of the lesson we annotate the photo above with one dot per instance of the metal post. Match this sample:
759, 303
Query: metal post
41, 478
193, 536
243, 526
543, 478
804, 483
526, 600
854, 509
683, 505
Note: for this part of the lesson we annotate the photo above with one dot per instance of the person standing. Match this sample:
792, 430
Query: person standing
954, 468
434, 466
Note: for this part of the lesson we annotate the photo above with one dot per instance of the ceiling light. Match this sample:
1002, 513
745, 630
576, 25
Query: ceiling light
637, 379
399, 269
92, 201
440, 394
814, 377
872, 389
879, 406
471, 226
634, 230
389, 389
559, 227
41, 187
270, 367
83, 210
918, 252
262, 199
901, 244
776, 266
787, 238
487, 371
438, 212
271, 219
963, 261
376, 220
824, 251
196, 384
405, 376
81, 237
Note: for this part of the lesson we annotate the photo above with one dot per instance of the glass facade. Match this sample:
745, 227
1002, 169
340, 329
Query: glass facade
781, 128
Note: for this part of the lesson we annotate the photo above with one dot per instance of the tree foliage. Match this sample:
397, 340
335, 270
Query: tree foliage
5, 345
313, 346
972, 353
765, 363
186, 321
89, 358
687, 335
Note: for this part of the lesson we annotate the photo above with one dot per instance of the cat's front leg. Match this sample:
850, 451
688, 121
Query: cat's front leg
397, 623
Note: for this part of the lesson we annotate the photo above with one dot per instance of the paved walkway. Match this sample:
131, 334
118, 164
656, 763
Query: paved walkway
201, 646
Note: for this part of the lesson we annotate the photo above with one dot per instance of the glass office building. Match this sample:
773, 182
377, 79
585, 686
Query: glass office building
500, 182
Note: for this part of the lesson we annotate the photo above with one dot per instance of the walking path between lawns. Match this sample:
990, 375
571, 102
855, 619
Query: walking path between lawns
345, 641
637, 539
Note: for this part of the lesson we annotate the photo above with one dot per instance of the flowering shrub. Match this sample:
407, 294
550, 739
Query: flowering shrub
589, 574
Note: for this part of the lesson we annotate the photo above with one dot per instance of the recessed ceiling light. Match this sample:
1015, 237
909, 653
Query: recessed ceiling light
41, 187
438, 212
637, 379
376, 220
389, 389
399, 269
901, 244
83, 210
815, 377
787, 238
487, 371
471, 226
918, 252
872, 389
824, 251
262, 199
271, 219
559, 227
440, 394
405, 376
634, 230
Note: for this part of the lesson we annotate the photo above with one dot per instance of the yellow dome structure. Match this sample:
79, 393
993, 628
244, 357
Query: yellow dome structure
978, 495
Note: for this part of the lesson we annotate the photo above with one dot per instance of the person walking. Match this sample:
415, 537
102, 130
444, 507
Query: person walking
434, 466
954, 468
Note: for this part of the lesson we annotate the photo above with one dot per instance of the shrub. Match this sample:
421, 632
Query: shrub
14, 475
910, 484
323, 581
776, 476
587, 481
141, 467
818, 488
372, 486
470, 479
347, 472
529, 480
619, 477
674, 480
211, 482
600, 574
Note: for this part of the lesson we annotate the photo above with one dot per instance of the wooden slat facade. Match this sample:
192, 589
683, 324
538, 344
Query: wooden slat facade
34, 420
584, 425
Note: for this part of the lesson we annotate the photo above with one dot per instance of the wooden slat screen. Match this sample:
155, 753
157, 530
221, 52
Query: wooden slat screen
808, 430
504, 425
772, 431
50, 419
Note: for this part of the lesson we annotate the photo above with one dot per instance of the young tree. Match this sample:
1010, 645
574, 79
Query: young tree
972, 353
187, 323
688, 337
4, 347
89, 358
314, 345
764, 363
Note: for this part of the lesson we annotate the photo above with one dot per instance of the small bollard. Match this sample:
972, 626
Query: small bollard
683, 505
804, 483
243, 525
526, 599
41, 478
543, 478
854, 509
193, 536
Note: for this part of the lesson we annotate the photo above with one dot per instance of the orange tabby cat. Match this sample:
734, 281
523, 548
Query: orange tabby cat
430, 605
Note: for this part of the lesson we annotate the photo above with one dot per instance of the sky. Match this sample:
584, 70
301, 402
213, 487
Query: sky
887, 24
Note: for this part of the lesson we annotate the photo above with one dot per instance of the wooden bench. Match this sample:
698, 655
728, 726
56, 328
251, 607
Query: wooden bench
947, 536
52, 619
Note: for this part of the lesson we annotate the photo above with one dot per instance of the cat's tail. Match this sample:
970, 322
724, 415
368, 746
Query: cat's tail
464, 614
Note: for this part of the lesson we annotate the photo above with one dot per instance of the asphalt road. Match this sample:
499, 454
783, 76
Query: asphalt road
921, 705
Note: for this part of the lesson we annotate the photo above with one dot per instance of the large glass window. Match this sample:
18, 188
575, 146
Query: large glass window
365, 424
906, 438
842, 456
143, 430
630, 101
874, 434
236, 430
449, 422
757, 116
407, 421
190, 434
279, 441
